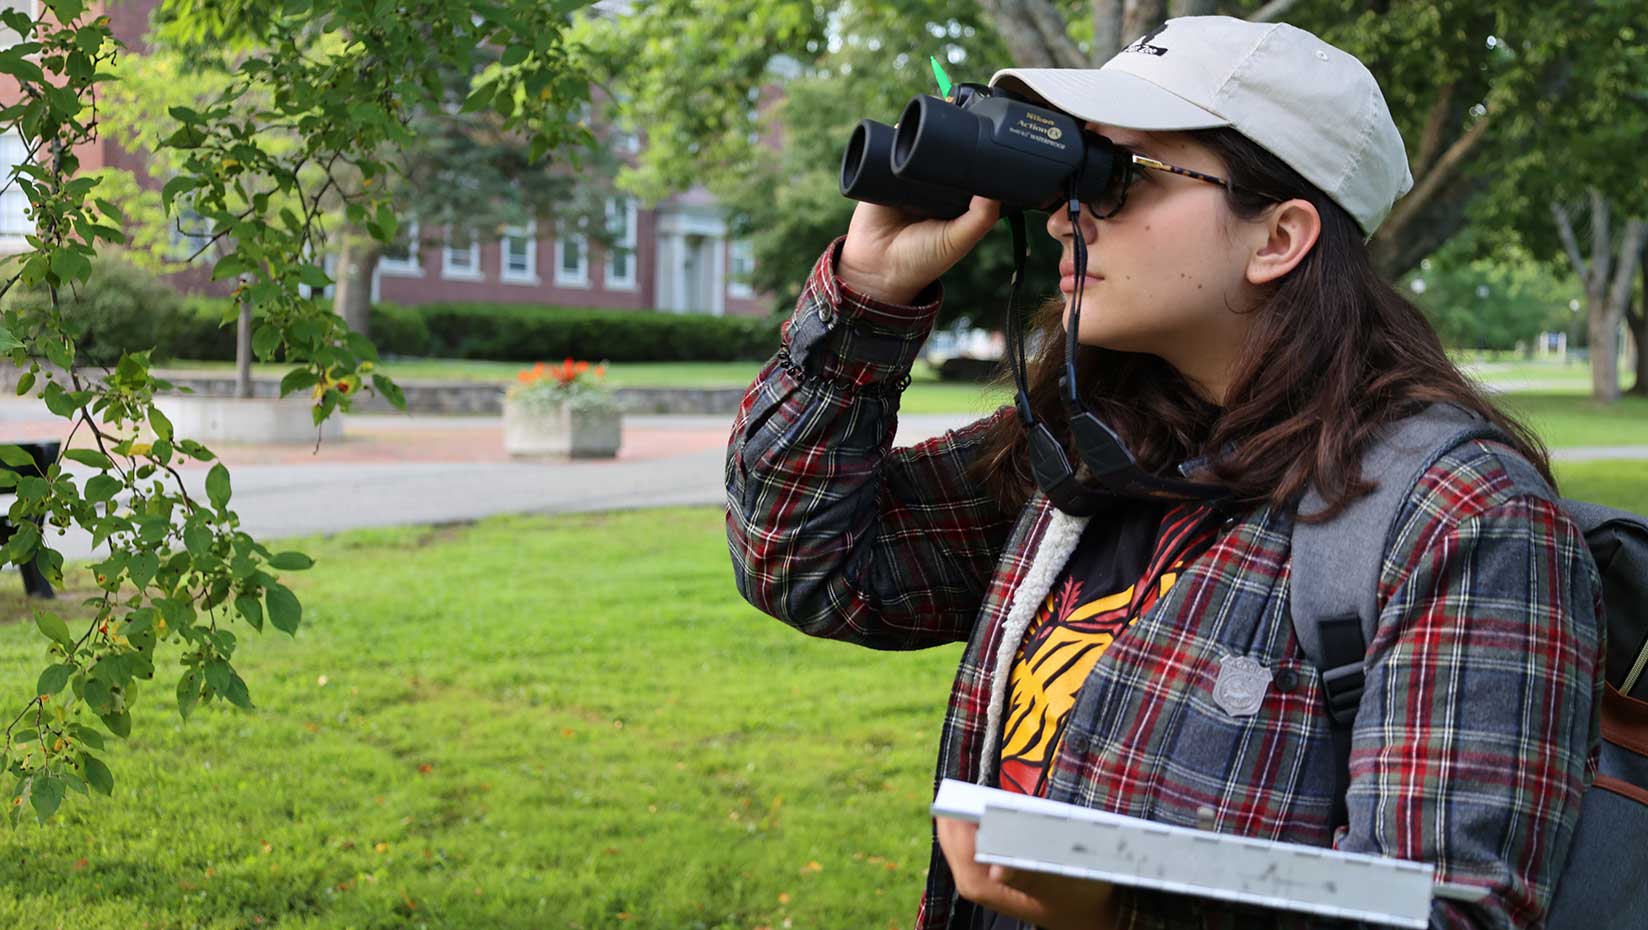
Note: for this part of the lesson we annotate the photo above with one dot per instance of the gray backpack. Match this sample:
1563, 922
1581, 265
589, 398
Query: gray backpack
1335, 578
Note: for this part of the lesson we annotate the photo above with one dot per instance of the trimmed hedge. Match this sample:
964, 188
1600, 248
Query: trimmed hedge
512, 332
521, 333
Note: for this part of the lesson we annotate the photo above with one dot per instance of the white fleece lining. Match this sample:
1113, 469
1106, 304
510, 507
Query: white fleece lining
1057, 542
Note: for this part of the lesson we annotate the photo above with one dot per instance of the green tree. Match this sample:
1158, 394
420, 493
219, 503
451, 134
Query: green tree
315, 90
1461, 76
1490, 302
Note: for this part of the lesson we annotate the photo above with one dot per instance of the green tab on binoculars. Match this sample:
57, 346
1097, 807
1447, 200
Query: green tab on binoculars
943, 79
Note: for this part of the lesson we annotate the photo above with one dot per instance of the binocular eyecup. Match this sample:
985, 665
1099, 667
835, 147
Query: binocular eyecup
941, 154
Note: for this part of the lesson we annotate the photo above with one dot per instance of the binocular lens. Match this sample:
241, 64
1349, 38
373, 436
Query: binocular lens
867, 175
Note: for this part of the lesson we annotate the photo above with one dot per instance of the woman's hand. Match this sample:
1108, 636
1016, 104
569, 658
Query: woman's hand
1052, 901
891, 256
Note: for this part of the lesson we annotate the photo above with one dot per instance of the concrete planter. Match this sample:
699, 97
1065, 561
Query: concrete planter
246, 419
540, 429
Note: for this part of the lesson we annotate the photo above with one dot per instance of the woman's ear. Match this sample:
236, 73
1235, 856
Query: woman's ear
1290, 229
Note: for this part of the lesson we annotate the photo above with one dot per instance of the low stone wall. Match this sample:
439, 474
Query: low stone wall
453, 398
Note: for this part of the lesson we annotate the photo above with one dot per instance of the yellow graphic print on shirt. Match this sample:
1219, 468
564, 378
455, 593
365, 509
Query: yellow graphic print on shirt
1064, 641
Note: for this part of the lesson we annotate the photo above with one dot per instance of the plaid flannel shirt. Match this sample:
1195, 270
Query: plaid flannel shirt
1477, 732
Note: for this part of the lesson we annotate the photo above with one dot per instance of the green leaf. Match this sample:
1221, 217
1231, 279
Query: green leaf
217, 486
184, 115
159, 423
120, 724
297, 379
25, 384
46, 794
237, 693
59, 401
7, 343
53, 679
252, 609
291, 561
55, 629
388, 225
175, 186
89, 457
188, 691
218, 674
390, 391
86, 736
66, 11
142, 569
229, 266
313, 275
98, 696
17, 458
97, 774
197, 538
284, 609
265, 339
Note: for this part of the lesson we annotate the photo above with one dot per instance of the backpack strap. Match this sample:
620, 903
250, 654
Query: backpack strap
1336, 563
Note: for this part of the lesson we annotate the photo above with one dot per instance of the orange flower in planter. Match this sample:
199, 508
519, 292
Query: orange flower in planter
572, 381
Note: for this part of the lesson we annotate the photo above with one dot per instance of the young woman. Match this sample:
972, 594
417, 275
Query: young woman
1233, 330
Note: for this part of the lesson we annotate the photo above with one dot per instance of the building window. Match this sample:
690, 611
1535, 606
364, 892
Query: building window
461, 256
743, 266
190, 233
15, 222
400, 258
29, 8
620, 266
571, 261
518, 254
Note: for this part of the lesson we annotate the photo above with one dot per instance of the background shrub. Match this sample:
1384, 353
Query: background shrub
119, 308
524, 333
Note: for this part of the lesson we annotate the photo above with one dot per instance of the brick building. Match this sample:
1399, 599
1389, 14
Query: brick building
679, 257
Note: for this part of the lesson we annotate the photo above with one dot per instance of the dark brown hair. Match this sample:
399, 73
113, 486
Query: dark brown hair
1334, 354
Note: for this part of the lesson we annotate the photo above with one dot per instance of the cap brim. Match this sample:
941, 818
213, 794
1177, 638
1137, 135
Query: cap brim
1107, 96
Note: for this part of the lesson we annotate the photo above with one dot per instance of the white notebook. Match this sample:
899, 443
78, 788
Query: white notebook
1039, 835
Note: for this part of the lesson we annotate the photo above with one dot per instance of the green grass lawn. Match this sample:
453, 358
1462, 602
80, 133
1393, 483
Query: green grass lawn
1616, 483
498, 727
1573, 420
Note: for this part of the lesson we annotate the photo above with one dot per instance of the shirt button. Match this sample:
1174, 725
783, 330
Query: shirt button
1286, 680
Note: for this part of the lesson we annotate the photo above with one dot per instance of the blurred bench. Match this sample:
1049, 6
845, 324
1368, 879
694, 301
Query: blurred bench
43, 453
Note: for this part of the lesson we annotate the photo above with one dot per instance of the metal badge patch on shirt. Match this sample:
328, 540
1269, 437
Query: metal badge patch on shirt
1241, 686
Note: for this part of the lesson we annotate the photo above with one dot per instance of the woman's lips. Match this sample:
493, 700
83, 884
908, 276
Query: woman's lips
1067, 278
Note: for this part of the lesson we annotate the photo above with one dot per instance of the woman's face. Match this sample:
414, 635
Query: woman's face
1167, 274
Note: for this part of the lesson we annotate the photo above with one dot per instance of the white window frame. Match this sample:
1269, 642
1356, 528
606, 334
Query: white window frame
563, 277
529, 232
409, 267
13, 239
31, 8
626, 282
450, 272
745, 249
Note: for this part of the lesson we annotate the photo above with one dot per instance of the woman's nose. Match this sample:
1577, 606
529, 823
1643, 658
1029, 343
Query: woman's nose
1058, 225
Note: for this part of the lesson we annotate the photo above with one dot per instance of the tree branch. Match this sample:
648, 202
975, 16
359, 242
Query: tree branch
1570, 243
1107, 30
1602, 251
1431, 139
1034, 31
1409, 207
1620, 294
1272, 11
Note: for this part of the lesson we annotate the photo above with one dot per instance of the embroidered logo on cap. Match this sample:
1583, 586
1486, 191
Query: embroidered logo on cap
1143, 45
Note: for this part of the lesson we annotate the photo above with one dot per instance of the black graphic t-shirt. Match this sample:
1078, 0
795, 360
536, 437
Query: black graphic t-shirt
1122, 565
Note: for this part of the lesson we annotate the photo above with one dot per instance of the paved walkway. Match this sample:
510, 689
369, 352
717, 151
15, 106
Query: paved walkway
397, 469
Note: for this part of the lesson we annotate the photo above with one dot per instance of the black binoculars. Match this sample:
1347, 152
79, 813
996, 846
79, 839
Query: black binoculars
979, 141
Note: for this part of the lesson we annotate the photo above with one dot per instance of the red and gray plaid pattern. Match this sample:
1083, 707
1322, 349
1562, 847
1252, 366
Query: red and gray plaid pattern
1480, 716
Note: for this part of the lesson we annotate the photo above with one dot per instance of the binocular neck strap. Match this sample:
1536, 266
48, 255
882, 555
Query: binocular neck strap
1015, 327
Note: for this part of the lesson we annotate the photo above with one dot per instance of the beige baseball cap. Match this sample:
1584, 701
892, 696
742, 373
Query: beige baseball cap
1313, 106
